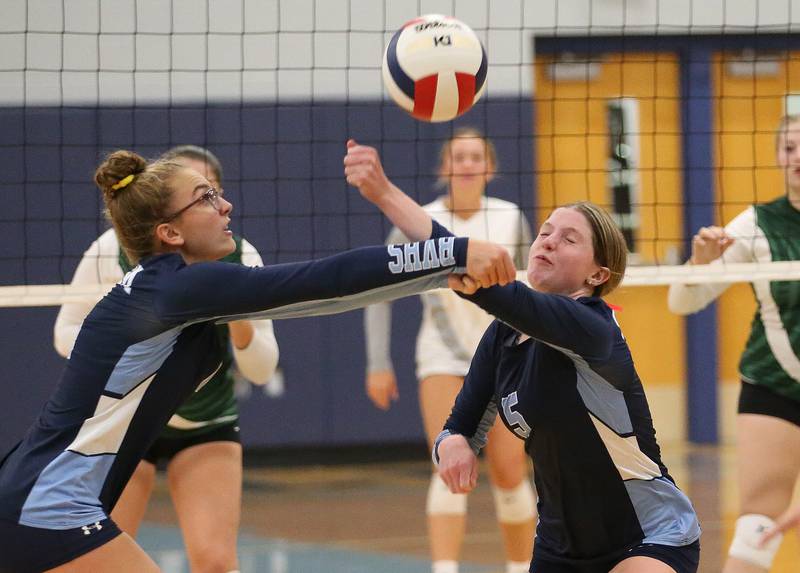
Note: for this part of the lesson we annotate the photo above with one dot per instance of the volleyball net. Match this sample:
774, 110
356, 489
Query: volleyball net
664, 114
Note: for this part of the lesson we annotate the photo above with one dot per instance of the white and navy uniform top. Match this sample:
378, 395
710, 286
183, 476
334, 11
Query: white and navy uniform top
151, 341
451, 327
571, 392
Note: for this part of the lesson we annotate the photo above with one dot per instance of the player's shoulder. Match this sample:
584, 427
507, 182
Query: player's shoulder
779, 206
595, 303
745, 219
249, 255
164, 263
247, 248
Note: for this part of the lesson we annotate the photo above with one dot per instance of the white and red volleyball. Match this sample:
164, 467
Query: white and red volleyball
435, 67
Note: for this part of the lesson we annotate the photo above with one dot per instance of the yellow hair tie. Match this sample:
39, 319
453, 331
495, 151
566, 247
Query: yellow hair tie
122, 182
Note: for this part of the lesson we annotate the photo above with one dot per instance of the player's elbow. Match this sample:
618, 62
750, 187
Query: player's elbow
260, 370
677, 304
62, 342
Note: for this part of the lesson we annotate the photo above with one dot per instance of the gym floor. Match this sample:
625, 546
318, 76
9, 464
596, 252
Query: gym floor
353, 518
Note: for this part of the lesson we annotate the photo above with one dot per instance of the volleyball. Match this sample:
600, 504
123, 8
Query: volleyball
434, 67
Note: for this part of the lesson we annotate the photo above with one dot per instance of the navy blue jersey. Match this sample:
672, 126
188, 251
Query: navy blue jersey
572, 393
151, 341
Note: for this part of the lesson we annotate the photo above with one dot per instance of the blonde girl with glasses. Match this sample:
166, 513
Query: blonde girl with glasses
202, 437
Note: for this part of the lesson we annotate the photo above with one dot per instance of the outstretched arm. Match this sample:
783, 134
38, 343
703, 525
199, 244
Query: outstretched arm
555, 319
352, 279
364, 170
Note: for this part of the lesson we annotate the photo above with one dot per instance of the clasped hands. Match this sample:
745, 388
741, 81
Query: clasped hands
488, 264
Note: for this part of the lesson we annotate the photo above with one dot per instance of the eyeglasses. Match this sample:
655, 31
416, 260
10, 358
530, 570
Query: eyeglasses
212, 196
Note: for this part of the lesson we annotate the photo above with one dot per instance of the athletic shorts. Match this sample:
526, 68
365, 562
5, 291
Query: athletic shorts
683, 559
26, 549
758, 399
164, 449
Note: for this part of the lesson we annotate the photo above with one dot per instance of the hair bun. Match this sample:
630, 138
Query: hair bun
115, 168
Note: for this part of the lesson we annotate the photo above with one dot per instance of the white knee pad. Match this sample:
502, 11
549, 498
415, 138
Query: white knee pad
442, 502
444, 567
745, 546
516, 505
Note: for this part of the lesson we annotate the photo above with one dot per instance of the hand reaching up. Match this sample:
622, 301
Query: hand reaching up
364, 170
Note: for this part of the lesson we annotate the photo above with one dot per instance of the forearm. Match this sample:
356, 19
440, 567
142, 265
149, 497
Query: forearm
743, 230
220, 290
258, 360
405, 214
476, 438
241, 333
377, 335
556, 320
474, 410
686, 299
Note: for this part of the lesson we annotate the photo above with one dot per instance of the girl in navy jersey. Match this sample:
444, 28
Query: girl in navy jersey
557, 369
151, 341
202, 437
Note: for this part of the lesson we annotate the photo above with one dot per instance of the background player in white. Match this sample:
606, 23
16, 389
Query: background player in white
450, 331
202, 437
768, 422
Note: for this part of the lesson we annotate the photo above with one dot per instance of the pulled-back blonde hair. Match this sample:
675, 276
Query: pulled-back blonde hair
138, 207
608, 242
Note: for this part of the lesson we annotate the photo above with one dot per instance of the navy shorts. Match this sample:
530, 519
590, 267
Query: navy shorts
683, 559
164, 449
26, 549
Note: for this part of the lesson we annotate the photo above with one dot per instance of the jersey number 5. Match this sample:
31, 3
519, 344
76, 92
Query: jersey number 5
515, 419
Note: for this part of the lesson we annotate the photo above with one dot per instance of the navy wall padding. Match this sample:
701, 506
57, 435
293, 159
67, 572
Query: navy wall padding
283, 173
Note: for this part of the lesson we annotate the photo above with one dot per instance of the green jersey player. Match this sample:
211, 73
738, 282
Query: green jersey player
768, 421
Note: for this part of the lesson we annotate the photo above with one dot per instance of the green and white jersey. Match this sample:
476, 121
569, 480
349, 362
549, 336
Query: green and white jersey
762, 233
214, 403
